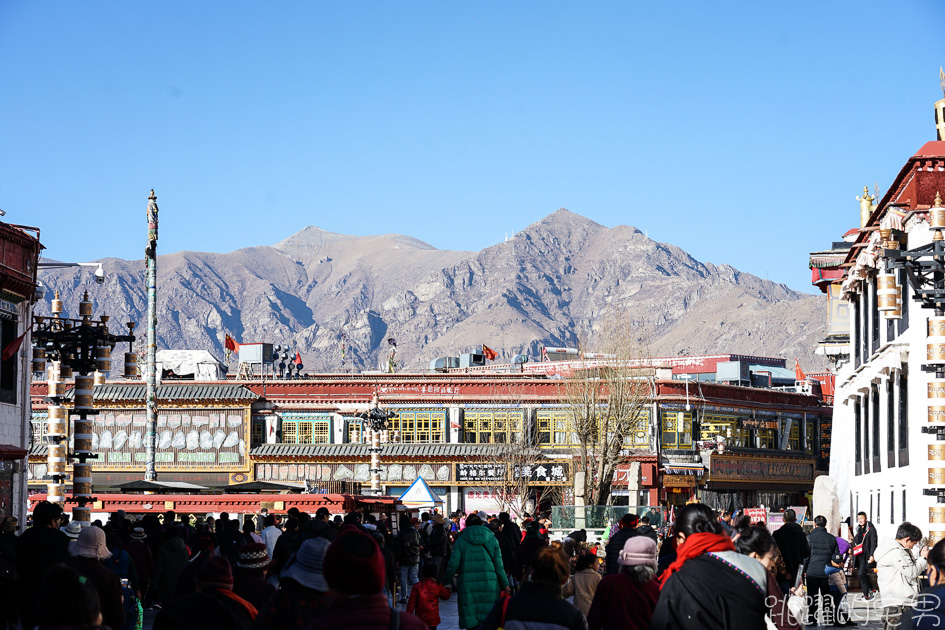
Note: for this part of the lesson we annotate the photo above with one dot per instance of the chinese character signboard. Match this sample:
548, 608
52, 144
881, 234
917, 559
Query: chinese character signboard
542, 473
480, 473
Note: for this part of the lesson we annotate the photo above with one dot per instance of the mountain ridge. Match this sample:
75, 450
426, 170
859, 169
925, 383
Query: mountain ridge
550, 283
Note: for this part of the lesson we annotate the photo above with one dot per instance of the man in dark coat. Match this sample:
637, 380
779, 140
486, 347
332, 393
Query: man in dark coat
866, 536
793, 545
510, 529
823, 547
628, 529
37, 549
408, 546
438, 544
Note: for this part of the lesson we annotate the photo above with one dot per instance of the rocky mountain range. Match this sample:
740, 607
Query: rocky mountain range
550, 284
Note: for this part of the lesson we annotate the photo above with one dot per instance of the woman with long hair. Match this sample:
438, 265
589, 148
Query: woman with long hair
709, 586
755, 541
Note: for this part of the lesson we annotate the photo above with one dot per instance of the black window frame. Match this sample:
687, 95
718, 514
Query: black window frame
9, 372
903, 419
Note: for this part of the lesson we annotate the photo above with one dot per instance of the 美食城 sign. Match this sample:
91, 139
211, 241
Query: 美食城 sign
760, 470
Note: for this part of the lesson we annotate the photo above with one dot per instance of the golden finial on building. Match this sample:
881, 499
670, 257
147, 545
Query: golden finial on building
866, 206
938, 200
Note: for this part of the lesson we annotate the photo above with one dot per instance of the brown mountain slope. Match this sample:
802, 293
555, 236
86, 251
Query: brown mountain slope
552, 282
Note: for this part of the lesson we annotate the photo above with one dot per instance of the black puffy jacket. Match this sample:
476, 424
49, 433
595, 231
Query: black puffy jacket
823, 546
408, 547
437, 544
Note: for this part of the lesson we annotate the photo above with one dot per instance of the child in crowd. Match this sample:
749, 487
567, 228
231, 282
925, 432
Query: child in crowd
425, 595
838, 588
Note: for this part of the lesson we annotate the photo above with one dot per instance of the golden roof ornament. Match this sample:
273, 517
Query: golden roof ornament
867, 207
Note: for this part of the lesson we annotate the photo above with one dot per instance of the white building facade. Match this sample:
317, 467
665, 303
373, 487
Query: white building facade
884, 460
19, 258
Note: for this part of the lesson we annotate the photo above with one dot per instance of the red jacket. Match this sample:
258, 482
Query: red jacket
424, 600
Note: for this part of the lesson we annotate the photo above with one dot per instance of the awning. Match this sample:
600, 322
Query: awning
160, 486
9, 453
683, 468
260, 487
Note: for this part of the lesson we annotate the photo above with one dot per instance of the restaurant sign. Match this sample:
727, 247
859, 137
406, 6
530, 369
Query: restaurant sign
760, 470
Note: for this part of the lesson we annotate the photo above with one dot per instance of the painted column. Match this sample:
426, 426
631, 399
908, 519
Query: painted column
150, 440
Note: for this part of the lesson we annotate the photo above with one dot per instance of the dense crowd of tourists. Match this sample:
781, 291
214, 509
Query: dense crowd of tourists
701, 570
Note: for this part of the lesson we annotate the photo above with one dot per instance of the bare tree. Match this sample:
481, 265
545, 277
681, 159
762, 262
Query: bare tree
608, 398
526, 470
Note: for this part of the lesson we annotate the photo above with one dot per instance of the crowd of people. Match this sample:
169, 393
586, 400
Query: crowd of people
702, 570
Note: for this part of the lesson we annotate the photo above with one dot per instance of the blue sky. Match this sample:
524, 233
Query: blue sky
740, 132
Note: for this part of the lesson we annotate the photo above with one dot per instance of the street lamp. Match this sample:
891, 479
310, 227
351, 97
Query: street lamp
82, 346
377, 419
99, 271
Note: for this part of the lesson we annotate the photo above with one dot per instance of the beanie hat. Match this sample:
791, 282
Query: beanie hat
354, 563
216, 574
254, 556
638, 550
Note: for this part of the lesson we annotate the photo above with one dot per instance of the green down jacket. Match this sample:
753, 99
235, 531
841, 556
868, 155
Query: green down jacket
480, 576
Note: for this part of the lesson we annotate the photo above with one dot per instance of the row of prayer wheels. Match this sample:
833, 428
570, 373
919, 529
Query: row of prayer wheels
935, 395
103, 363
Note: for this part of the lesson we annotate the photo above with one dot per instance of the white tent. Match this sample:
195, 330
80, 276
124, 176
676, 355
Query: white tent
199, 364
420, 495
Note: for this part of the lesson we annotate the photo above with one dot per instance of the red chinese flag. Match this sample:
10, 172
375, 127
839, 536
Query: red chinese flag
12, 348
298, 358
230, 344
489, 353
798, 372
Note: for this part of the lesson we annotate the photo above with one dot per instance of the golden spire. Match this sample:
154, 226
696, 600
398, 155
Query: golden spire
866, 206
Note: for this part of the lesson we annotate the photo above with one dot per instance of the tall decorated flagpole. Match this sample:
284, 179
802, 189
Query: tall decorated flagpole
150, 261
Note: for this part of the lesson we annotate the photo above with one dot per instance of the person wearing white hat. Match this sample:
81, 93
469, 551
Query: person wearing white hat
87, 553
72, 530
